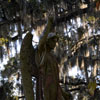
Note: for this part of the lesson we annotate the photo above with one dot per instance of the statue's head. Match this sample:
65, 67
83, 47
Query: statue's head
51, 40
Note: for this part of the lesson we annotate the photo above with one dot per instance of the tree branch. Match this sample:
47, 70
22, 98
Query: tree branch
83, 41
15, 20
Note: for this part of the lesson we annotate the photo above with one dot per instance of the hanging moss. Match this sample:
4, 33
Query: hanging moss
80, 61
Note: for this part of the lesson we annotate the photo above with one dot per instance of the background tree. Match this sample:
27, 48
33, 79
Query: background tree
78, 27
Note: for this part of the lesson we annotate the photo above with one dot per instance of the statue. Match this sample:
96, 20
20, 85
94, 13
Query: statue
47, 63
43, 66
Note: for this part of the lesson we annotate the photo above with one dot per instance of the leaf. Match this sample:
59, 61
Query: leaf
3, 41
85, 98
91, 19
9, 0
91, 87
16, 97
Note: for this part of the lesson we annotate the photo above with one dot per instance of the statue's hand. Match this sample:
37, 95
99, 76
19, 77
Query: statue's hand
50, 20
50, 23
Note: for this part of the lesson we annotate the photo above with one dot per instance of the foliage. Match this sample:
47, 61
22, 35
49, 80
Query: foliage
11, 67
2, 41
6, 91
91, 87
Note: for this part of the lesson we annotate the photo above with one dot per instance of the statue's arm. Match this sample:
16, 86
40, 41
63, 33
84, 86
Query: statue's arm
47, 30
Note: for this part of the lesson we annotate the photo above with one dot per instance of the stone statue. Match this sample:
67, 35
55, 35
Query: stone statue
43, 65
47, 63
